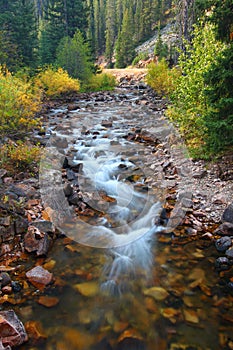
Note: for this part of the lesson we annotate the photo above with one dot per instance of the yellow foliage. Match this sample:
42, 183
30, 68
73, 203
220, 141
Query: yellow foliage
19, 156
19, 101
56, 82
161, 78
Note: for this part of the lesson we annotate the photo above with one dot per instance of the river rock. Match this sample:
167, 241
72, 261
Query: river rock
225, 229
229, 253
44, 225
106, 123
4, 279
22, 190
228, 214
158, 293
36, 241
39, 277
223, 243
222, 263
68, 190
35, 332
12, 330
87, 289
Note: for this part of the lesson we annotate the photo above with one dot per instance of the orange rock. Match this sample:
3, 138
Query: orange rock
130, 333
35, 332
77, 340
151, 305
120, 326
172, 314
191, 316
48, 301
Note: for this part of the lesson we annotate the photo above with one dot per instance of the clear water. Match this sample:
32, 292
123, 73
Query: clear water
120, 281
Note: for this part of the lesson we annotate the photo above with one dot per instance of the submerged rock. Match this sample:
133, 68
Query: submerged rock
158, 293
87, 289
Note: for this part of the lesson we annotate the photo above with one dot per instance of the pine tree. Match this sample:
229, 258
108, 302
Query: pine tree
18, 18
74, 55
125, 43
53, 29
111, 29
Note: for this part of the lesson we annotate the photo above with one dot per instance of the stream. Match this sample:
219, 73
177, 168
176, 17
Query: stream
122, 278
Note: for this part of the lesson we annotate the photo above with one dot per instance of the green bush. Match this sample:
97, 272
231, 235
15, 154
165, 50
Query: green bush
100, 82
219, 116
142, 56
189, 102
161, 78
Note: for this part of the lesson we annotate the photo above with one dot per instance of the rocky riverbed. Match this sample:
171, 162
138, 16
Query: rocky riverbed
195, 220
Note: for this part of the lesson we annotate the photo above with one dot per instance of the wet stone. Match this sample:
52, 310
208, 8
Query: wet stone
68, 190
4, 279
228, 214
35, 332
36, 241
44, 225
158, 293
39, 276
229, 253
225, 229
11, 329
222, 263
223, 243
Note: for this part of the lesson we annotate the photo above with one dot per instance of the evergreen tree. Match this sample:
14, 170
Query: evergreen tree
74, 55
53, 29
125, 43
219, 118
111, 29
18, 19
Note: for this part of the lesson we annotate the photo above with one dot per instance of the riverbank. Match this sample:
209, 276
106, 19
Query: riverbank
195, 196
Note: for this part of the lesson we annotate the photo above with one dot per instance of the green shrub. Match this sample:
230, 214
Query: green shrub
161, 78
189, 102
142, 56
56, 82
219, 115
100, 82
19, 102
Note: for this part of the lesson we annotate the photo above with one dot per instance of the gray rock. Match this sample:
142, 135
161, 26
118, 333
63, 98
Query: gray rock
4, 279
223, 243
222, 263
228, 214
229, 253
68, 190
44, 225
225, 229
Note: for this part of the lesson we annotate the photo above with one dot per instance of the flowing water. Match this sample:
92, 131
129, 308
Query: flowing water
120, 280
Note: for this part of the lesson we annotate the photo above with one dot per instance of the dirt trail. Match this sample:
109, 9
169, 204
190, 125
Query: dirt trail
127, 73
